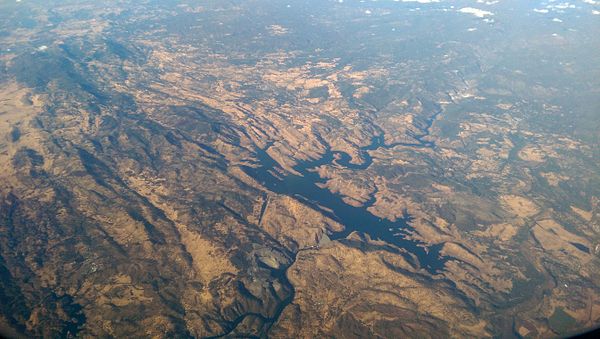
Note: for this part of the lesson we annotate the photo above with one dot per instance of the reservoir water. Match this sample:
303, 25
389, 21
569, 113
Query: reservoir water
305, 188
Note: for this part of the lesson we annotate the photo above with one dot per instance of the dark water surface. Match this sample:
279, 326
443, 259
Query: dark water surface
305, 188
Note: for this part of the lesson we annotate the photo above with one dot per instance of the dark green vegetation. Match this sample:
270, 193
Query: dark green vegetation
562, 322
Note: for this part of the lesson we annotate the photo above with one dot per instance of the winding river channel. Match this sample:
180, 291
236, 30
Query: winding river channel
306, 187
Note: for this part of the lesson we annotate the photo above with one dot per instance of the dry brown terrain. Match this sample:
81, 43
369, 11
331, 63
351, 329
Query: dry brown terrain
165, 173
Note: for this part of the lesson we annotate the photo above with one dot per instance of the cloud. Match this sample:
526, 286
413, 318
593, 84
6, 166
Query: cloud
420, 1
474, 11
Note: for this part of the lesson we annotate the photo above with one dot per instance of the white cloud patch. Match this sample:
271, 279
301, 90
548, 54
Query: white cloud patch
476, 12
489, 3
420, 1
561, 6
